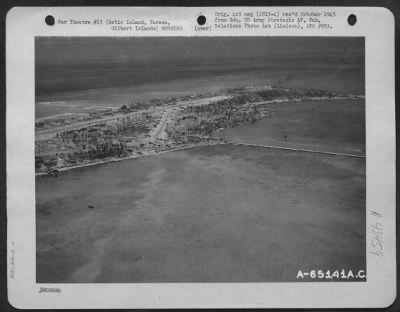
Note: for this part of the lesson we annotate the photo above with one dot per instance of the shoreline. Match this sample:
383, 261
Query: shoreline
102, 162
153, 153
113, 117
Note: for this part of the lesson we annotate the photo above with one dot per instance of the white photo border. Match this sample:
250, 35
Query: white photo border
376, 25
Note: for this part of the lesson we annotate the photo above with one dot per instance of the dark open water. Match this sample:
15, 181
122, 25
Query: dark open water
77, 75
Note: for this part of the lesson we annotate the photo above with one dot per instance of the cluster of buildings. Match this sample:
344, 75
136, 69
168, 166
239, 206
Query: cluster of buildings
105, 139
132, 130
204, 120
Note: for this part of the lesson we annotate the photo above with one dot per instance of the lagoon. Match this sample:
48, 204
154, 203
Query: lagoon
210, 214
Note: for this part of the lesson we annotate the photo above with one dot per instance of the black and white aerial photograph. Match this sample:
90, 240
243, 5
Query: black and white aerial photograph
200, 159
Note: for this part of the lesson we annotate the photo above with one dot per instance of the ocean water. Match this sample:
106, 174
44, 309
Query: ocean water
330, 126
209, 214
85, 87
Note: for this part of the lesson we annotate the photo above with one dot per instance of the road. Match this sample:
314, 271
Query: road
297, 149
159, 132
49, 133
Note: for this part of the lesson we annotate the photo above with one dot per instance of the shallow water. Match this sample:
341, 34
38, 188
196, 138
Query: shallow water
330, 126
209, 214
